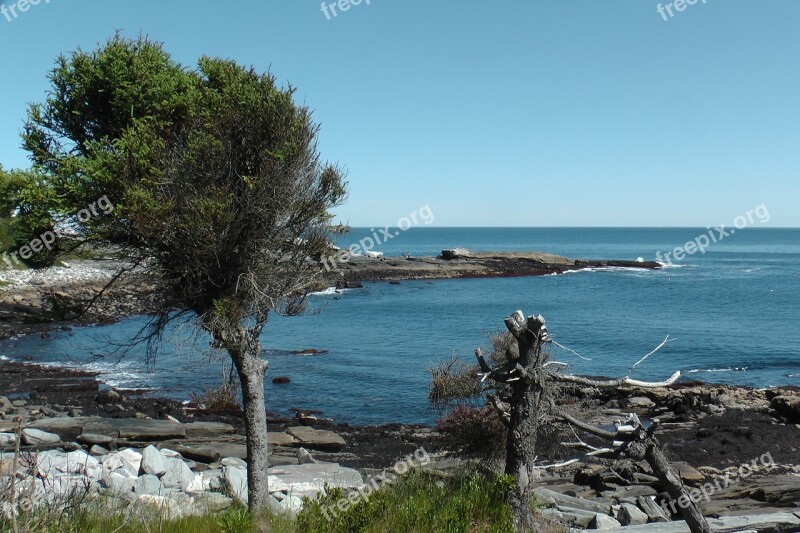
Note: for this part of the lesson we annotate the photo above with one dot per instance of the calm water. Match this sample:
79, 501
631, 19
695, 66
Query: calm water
734, 312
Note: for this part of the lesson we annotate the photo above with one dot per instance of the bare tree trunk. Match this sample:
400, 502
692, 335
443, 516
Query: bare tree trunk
251, 369
525, 402
688, 507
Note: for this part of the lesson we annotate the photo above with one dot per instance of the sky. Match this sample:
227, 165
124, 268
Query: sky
515, 113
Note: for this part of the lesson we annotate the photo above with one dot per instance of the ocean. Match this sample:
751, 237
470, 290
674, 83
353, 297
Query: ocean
733, 312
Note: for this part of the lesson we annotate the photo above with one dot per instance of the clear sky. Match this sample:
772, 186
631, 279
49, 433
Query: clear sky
513, 113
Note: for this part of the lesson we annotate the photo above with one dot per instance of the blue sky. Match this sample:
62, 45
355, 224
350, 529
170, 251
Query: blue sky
517, 113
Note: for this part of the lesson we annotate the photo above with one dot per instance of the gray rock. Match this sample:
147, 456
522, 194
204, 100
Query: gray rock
304, 457
603, 522
148, 484
630, 515
317, 439
93, 439
652, 510
236, 480
153, 462
119, 483
177, 475
291, 506
35, 437
7, 439
98, 450
212, 501
563, 501
233, 461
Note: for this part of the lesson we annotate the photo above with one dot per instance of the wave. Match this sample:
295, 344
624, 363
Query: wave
793, 376
330, 291
732, 369
670, 265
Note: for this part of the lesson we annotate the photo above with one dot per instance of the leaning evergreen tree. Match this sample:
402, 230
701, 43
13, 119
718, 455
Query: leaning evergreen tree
219, 192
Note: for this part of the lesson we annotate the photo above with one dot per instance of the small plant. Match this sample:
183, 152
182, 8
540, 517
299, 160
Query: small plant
223, 398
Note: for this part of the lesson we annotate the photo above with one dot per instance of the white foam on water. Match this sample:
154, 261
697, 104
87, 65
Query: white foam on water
330, 291
733, 369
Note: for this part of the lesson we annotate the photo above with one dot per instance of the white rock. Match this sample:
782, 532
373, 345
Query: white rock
236, 479
153, 462
148, 484
291, 506
177, 475
233, 461
7, 439
35, 437
119, 483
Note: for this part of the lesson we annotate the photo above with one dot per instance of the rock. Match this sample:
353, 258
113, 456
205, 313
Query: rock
291, 506
281, 380
37, 437
456, 253
177, 475
236, 480
212, 502
109, 396
651, 509
688, 473
281, 439
640, 402
779, 490
562, 501
202, 454
234, 461
93, 439
304, 457
135, 429
161, 505
19, 403
603, 522
98, 450
153, 462
170, 418
7, 439
67, 428
127, 462
118, 483
630, 515
788, 407
317, 439
148, 484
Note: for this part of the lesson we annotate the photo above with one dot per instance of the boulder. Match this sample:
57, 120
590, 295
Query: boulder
281, 439
630, 515
640, 402
37, 437
93, 439
201, 454
153, 462
603, 522
456, 253
118, 483
236, 480
177, 474
317, 439
688, 473
148, 484
651, 509
304, 457
291, 506
563, 501
7, 439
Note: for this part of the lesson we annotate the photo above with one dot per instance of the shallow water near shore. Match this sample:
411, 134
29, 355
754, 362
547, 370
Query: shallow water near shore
734, 311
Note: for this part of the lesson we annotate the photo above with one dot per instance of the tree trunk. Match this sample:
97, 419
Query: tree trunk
525, 402
688, 507
251, 369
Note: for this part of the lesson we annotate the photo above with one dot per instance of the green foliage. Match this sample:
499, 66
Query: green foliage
27, 208
419, 502
213, 173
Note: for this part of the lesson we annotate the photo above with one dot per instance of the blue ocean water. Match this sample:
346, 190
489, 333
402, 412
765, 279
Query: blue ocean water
733, 311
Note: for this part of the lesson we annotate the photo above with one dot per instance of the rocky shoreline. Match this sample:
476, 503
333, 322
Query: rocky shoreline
708, 431
36, 301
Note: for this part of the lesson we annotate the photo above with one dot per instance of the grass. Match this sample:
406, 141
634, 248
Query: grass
418, 502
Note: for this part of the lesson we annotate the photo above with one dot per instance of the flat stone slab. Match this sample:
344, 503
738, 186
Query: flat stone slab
311, 479
317, 439
276, 438
134, 428
725, 523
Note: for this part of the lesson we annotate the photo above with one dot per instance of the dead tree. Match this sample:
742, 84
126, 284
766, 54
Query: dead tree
525, 378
